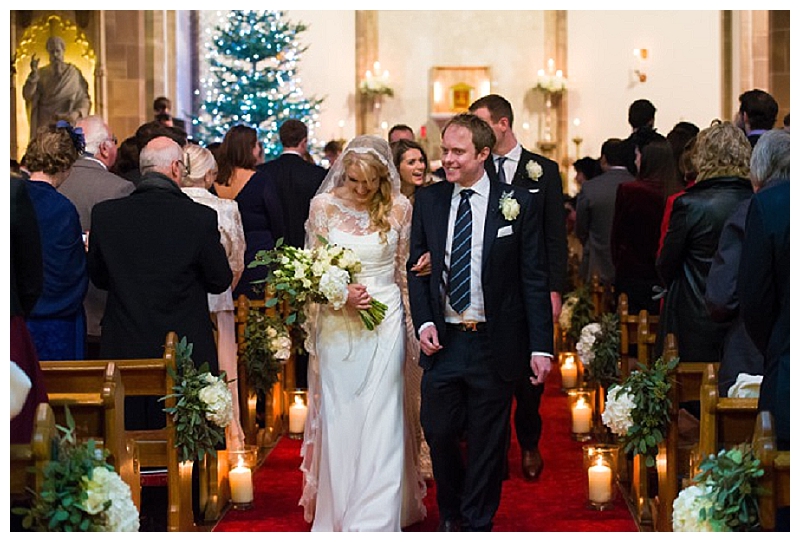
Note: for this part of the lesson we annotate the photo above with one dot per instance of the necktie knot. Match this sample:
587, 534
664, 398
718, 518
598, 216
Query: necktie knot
466, 193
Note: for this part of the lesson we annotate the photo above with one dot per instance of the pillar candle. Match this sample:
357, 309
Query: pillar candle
581, 416
241, 480
569, 373
297, 416
599, 482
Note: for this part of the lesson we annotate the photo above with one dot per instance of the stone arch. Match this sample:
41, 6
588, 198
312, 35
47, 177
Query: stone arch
79, 52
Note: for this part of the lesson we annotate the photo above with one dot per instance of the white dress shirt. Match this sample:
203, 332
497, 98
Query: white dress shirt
512, 161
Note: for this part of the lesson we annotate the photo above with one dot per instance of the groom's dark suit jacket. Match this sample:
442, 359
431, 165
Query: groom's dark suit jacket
514, 276
548, 199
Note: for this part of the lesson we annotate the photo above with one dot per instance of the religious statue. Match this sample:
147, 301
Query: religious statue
57, 91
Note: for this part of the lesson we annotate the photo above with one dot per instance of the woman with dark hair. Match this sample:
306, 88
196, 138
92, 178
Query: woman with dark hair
636, 228
257, 196
57, 322
412, 164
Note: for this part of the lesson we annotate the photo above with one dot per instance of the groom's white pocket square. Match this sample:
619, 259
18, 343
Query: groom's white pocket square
533, 190
504, 231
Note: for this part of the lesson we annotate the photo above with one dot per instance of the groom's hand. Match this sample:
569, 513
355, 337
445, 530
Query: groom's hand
540, 365
429, 340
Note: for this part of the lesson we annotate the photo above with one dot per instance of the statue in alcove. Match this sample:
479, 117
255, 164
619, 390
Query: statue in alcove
57, 91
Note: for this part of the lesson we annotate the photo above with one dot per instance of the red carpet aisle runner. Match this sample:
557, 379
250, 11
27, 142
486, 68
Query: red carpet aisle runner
554, 503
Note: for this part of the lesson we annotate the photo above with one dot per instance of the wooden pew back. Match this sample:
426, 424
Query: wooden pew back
776, 470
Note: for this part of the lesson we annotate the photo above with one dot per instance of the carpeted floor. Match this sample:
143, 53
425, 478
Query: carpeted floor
554, 503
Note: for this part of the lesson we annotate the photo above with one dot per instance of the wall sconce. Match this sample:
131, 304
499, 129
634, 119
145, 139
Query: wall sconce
641, 56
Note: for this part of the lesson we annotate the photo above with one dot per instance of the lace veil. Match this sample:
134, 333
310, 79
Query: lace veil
361, 144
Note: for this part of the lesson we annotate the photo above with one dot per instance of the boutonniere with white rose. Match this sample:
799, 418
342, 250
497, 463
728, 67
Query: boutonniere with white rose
509, 206
534, 170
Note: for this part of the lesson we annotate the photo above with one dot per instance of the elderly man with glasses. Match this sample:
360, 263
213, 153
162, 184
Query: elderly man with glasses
158, 253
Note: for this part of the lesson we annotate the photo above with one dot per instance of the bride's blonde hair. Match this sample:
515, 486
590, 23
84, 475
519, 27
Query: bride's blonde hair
381, 205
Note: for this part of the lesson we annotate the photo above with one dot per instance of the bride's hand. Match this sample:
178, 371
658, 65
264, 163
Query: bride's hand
357, 296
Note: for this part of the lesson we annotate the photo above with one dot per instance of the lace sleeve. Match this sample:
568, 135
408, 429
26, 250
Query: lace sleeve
318, 220
237, 243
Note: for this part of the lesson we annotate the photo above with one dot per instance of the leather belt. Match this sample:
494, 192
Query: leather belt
469, 327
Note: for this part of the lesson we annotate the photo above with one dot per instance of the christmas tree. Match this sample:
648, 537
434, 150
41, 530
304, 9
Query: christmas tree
253, 79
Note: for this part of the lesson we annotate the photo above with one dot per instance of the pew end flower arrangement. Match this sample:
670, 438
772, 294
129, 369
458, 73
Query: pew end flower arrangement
576, 313
319, 275
598, 348
638, 410
80, 492
268, 346
203, 407
724, 496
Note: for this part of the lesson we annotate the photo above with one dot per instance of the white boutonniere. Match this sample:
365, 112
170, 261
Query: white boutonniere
534, 170
509, 206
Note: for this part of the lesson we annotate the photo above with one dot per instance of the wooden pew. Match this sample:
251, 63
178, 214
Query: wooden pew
724, 421
674, 455
635, 329
95, 395
276, 409
776, 470
28, 460
602, 296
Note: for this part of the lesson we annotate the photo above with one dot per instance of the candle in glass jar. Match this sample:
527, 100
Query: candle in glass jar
599, 482
581, 416
569, 372
297, 416
241, 480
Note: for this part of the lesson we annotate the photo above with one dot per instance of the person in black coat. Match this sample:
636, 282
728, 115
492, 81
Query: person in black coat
512, 164
722, 158
158, 253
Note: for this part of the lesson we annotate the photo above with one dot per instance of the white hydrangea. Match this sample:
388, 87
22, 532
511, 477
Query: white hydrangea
217, 398
106, 485
686, 510
585, 346
617, 415
333, 285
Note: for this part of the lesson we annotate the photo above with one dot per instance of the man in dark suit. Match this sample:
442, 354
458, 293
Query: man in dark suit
757, 113
158, 253
296, 181
510, 163
594, 215
483, 317
89, 183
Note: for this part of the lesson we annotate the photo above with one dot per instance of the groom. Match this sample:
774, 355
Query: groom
483, 317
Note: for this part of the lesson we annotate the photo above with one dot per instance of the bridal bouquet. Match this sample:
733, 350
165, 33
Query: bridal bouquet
80, 491
725, 494
638, 409
203, 407
320, 275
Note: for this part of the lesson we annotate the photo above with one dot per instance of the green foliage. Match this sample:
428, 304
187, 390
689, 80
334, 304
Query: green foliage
253, 74
604, 367
260, 362
733, 477
59, 506
580, 310
195, 435
650, 388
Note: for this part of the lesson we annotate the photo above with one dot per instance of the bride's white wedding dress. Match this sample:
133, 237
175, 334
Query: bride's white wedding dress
356, 473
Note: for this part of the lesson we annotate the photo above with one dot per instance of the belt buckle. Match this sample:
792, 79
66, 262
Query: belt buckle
469, 326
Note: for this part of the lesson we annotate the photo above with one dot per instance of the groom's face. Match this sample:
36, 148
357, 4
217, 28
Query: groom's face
463, 164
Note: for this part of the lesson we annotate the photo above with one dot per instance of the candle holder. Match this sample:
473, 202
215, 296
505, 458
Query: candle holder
298, 411
581, 406
568, 364
601, 462
242, 463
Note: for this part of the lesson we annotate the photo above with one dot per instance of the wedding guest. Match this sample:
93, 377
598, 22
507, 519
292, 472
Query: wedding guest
332, 150
127, 163
722, 158
758, 112
400, 131
356, 477
201, 171
158, 253
57, 322
688, 175
257, 196
411, 162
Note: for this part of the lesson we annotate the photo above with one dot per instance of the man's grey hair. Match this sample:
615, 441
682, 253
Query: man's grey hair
770, 158
95, 131
159, 157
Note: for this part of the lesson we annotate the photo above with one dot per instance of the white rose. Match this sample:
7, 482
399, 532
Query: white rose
509, 206
534, 170
333, 285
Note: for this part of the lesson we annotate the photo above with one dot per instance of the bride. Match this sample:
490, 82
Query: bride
357, 475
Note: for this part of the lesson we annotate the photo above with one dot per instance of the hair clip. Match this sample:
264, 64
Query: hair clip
75, 133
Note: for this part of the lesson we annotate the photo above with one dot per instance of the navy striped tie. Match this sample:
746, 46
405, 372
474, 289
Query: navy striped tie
501, 170
461, 255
